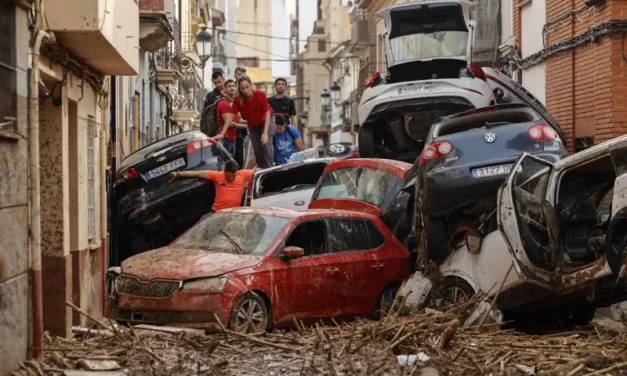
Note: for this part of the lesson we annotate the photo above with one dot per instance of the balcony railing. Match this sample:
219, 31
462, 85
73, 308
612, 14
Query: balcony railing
168, 57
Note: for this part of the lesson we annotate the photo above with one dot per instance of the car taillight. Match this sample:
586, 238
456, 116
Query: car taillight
372, 79
435, 150
128, 174
196, 145
543, 132
482, 109
477, 71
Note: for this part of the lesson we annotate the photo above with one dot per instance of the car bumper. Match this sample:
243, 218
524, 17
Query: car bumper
195, 310
447, 189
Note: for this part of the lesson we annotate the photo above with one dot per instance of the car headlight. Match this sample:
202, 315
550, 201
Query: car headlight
211, 285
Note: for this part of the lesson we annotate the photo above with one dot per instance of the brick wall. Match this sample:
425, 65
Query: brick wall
585, 89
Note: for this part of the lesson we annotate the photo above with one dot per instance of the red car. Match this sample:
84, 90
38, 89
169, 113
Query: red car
258, 268
369, 185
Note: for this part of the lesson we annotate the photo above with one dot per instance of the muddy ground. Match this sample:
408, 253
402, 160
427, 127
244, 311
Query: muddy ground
434, 343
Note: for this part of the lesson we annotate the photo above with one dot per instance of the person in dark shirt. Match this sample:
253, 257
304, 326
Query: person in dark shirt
282, 104
218, 87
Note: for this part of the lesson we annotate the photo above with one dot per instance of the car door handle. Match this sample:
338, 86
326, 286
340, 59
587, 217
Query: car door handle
331, 270
377, 266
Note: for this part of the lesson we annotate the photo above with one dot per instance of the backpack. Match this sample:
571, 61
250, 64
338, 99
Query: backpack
209, 120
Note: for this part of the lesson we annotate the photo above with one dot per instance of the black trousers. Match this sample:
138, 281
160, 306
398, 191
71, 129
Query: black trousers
239, 147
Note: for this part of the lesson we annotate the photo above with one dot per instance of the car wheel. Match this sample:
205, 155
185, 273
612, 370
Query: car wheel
366, 142
581, 316
250, 314
385, 301
436, 237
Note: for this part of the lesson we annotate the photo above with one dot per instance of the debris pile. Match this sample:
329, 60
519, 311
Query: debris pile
432, 343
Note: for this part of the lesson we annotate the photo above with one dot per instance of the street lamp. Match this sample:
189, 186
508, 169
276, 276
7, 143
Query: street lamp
326, 97
335, 92
204, 45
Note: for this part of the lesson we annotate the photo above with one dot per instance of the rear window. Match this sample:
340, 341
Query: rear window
358, 183
481, 120
289, 180
139, 155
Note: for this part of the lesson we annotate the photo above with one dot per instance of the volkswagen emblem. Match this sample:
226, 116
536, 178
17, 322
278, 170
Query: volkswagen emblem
489, 138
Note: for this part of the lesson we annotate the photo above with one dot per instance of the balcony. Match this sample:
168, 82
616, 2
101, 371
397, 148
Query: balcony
102, 33
360, 29
168, 63
155, 29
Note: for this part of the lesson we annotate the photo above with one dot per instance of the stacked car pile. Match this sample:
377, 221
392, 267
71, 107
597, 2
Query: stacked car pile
491, 186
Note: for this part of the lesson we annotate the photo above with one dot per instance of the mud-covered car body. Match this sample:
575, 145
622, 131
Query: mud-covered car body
288, 186
563, 225
374, 186
345, 261
430, 74
151, 211
468, 156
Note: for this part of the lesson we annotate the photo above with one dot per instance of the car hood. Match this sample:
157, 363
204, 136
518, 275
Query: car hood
182, 264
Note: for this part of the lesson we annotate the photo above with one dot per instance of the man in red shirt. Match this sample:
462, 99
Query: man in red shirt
227, 120
229, 184
253, 105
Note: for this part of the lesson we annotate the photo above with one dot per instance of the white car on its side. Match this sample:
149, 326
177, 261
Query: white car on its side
429, 49
287, 186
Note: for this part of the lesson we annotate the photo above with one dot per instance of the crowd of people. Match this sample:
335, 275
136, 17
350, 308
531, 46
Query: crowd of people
242, 111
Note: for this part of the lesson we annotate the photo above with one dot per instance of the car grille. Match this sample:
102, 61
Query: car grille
154, 289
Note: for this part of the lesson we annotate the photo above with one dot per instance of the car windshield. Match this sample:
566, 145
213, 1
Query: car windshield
440, 44
237, 233
366, 184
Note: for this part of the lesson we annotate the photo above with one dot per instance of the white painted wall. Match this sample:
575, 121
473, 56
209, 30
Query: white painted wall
534, 78
280, 43
507, 21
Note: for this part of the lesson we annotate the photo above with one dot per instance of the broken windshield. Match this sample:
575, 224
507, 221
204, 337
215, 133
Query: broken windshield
439, 44
237, 233
358, 183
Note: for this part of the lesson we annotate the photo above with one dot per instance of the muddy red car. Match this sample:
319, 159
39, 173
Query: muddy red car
258, 268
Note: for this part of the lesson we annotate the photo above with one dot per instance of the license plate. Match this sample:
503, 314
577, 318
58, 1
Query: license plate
418, 89
483, 172
164, 169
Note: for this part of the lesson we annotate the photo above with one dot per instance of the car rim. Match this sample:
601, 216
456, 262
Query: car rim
250, 317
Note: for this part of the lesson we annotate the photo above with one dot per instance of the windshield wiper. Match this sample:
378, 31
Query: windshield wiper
239, 249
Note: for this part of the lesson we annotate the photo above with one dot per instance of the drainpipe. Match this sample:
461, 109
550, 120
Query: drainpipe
35, 199
103, 207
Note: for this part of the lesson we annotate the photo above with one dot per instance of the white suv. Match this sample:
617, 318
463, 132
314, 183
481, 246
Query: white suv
429, 47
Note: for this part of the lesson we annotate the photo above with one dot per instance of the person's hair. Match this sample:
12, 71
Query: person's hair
229, 81
241, 96
279, 80
279, 120
240, 69
231, 166
216, 75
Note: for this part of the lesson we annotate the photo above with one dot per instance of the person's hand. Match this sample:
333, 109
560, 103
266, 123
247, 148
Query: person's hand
255, 169
172, 177
264, 139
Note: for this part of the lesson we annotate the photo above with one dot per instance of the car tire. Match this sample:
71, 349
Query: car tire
385, 301
366, 142
250, 314
581, 316
436, 237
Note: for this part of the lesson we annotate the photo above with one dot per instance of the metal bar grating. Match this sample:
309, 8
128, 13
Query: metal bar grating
91, 194
8, 92
128, 285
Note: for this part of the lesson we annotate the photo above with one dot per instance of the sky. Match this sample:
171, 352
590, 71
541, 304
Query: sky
285, 10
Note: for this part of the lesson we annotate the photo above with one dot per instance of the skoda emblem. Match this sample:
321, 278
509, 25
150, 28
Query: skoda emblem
489, 138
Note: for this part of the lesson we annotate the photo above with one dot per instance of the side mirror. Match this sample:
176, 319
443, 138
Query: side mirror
473, 242
293, 252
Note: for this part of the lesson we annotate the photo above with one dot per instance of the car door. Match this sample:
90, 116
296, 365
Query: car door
310, 288
355, 243
529, 222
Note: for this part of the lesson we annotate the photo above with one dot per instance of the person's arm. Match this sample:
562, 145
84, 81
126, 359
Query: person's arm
189, 174
227, 117
266, 125
293, 114
298, 139
299, 144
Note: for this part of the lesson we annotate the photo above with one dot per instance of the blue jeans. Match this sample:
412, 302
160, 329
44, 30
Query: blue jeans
229, 146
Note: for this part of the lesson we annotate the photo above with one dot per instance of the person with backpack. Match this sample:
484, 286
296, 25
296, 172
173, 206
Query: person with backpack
227, 121
287, 141
208, 120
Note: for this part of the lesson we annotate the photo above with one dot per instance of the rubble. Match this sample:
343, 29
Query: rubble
356, 348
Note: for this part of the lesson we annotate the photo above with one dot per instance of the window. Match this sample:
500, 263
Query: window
354, 234
322, 45
310, 236
8, 107
91, 194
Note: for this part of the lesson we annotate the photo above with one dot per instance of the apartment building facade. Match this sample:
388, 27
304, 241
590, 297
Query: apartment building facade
55, 103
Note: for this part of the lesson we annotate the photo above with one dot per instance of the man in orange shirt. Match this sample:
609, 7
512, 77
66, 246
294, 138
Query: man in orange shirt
229, 184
